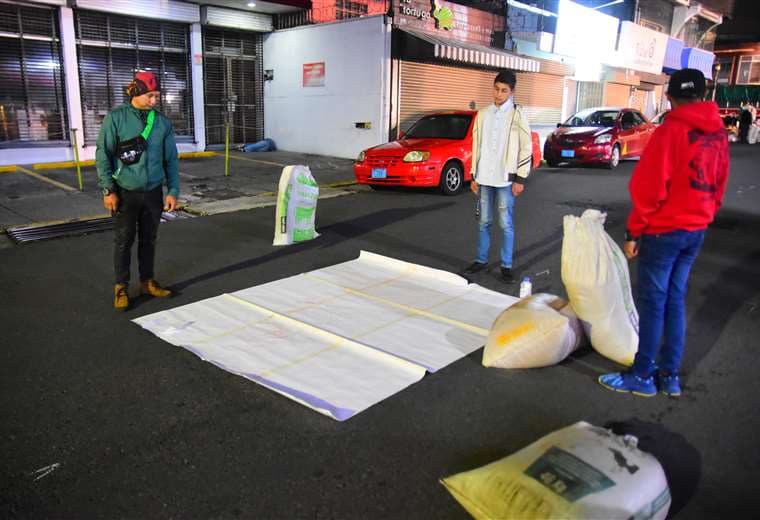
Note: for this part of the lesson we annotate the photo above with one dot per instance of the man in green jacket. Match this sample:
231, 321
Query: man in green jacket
136, 155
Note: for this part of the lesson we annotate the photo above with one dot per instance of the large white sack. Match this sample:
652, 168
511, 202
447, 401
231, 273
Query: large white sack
538, 331
596, 277
297, 197
580, 472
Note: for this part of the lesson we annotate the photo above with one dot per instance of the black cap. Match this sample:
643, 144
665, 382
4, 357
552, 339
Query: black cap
686, 84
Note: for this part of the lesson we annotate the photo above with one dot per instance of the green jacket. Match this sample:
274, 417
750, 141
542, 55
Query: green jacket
159, 163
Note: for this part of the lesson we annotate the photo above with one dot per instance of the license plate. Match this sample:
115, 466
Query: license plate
568, 153
379, 173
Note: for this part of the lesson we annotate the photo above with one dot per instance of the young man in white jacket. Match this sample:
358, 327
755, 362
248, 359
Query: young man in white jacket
501, 160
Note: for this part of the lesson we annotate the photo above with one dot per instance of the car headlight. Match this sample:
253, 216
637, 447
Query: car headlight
416, 156
361, 157
604, 138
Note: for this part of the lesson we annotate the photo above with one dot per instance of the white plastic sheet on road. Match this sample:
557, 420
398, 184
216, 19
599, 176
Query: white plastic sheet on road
342, 338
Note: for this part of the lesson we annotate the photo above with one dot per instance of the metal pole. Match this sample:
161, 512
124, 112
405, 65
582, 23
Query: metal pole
76, 159
227, 151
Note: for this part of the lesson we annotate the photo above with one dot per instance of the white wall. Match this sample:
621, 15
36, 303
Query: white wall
321, 120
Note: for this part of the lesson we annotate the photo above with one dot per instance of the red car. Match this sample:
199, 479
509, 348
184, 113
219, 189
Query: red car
600, 135
436, 151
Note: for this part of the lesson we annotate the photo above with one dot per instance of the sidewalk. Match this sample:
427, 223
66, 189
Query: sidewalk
29, 196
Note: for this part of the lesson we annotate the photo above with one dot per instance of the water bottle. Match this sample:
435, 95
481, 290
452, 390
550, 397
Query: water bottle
525, 287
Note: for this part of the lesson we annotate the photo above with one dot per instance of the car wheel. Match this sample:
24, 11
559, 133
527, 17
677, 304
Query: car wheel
452, 178
614, 158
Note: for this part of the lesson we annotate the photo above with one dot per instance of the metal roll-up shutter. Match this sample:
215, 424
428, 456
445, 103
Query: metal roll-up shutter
616, 95
112, 48
541, 97
590, 94
32, 96
234, 79
428, 88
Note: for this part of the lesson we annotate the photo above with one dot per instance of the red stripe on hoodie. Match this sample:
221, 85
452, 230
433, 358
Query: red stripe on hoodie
681, 177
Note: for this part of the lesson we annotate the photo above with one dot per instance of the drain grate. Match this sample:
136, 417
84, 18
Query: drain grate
33, 233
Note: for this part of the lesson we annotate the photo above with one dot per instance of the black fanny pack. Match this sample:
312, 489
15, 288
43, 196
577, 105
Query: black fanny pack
130, 151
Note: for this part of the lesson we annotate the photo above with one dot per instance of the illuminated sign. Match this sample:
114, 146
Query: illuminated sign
584, 33
641, 48
447, 20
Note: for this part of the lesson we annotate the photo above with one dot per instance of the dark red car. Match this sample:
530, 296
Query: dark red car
600, 136
436, 151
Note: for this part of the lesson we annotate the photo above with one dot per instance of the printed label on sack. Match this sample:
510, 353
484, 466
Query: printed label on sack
567, 475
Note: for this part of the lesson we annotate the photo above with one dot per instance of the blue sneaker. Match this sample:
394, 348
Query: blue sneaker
669, 384
629, 383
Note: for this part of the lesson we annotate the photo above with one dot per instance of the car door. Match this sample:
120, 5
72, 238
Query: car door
644, 131
627, 133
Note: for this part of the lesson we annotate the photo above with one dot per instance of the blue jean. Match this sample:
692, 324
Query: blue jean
505, 201
664, 264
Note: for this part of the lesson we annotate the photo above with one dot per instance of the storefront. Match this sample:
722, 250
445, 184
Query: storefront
438, 66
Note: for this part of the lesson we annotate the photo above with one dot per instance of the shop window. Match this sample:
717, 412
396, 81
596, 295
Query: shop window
749, 70
112, 48
722, 66
32, 98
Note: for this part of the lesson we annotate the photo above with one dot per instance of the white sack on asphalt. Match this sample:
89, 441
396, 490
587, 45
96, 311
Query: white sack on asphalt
581, 471
297, 197
342, 338
596, 277
538, 331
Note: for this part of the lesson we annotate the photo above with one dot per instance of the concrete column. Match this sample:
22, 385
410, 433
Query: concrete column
199, 111
71, 82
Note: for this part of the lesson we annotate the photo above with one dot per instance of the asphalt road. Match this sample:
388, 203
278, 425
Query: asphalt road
137, 428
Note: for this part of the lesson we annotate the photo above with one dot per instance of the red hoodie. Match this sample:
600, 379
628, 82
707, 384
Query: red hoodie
680, 179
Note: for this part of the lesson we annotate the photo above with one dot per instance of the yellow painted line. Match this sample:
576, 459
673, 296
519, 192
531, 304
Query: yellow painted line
8, 169
64, 164
196, 155
256, 161
36, 175
406, 308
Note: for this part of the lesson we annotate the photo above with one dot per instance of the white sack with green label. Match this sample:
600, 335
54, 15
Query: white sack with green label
577, 472
297, 197
538, 331
596, 277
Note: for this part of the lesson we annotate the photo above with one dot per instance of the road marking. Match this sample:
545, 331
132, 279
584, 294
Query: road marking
8, 169
256, 161
36, 175
64, 164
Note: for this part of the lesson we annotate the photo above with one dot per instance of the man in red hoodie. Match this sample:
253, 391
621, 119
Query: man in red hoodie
676, 189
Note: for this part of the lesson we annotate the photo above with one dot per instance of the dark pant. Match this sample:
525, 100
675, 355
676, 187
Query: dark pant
664, 264
139, 212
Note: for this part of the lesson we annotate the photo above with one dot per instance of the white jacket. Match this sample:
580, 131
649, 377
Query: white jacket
518, 153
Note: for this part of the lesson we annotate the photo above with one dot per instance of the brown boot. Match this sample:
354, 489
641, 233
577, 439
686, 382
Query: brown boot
151, 287
120, 297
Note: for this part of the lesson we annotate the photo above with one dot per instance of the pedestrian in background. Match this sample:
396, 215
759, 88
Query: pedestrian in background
501, 159
136, 155
676, 190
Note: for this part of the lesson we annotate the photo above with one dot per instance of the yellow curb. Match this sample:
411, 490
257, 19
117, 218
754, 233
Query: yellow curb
8, 169
36, 175
196, 155
63, 164
338, 184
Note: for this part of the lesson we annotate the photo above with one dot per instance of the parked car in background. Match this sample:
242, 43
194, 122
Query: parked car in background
435, 151
601, 135
660, 118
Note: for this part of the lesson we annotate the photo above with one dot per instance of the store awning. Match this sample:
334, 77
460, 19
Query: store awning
673, 55
474, 54
700, 59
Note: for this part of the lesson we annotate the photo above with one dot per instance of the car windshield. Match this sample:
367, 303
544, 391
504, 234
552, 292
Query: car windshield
447, 126
593, 117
